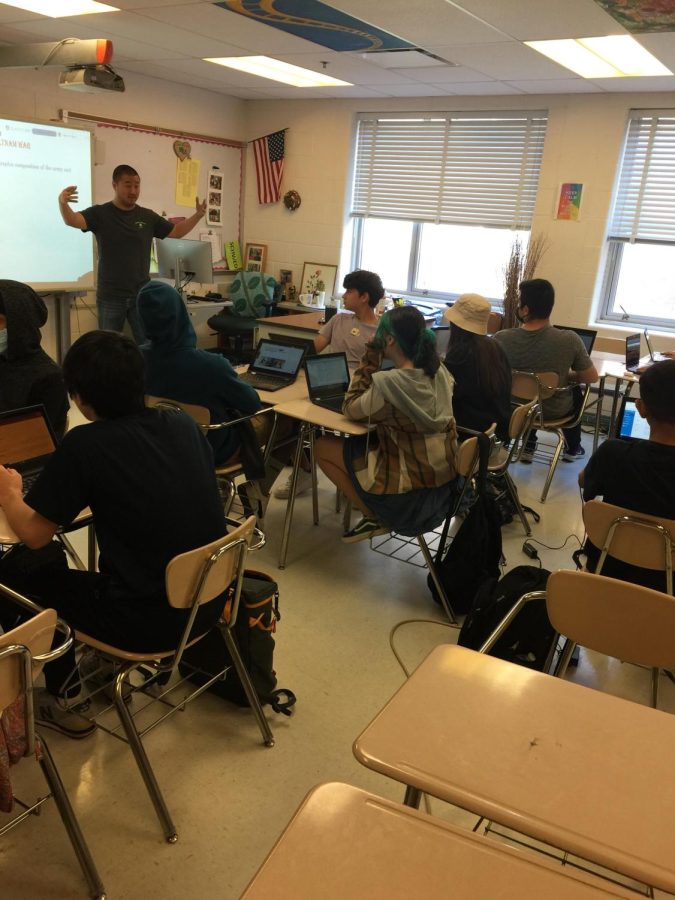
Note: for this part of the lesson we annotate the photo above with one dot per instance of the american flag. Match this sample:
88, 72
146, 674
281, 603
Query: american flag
269, 166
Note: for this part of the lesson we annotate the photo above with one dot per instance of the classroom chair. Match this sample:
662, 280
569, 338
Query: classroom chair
192, 579
252, 296
23, 652
498, 466
541, 386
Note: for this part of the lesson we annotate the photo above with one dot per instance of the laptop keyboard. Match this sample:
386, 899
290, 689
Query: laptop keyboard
263, 382
29, 481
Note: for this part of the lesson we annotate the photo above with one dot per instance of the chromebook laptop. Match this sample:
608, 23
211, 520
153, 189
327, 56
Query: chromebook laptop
587, 335
27, 440
327, 380
276, 365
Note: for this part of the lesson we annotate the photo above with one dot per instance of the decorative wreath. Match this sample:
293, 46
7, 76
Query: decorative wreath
292, 200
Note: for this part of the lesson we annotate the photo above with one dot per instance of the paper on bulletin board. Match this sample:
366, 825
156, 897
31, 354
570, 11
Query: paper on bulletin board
187, 181
569, 201
213, 237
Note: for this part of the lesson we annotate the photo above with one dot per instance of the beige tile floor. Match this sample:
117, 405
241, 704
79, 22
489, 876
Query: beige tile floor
229, 795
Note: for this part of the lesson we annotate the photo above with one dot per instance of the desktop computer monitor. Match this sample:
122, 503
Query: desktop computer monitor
184, 261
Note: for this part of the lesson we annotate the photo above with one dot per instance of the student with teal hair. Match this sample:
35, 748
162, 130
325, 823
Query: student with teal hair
401, 474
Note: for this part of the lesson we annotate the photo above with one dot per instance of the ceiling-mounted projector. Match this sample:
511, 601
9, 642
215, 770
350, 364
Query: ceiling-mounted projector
91, 78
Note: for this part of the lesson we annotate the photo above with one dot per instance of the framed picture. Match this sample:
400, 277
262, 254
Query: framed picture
286, 276
315, 274
216, 182
254, 257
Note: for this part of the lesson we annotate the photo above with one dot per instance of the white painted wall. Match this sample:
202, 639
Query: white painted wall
583, 144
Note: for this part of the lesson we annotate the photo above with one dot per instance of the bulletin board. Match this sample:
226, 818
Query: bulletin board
150, 150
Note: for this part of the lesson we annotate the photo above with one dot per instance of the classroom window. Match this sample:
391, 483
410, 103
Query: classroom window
638, 284
438, 200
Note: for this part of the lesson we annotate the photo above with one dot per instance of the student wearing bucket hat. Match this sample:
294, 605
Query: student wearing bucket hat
479, 366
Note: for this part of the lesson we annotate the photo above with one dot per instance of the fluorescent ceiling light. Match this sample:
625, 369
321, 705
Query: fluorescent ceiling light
57, 9
266, 67
617, 56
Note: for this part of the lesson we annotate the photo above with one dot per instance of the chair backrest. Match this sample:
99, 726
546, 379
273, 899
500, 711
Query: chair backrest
533, 385
36, 634
520, 418
467, 457
200, 414
201, 574
495, 322
634, 538
623, 620
251, 294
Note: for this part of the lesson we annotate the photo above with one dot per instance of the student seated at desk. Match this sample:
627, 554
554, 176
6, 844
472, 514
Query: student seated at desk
638, 475
482, 393
27, 374
147, 475
400, 477
350, 333
177, 370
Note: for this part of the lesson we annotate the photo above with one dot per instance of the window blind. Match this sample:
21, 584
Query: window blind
469, 169
644, 206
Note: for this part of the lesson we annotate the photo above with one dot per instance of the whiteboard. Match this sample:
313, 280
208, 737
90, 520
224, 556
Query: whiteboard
153, 157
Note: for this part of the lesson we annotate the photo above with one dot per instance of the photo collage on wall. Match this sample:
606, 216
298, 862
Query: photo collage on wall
214, 197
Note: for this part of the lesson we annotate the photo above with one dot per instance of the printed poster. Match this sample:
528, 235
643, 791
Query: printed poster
569, 202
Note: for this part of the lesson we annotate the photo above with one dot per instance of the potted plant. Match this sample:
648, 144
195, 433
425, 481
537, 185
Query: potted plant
520, 267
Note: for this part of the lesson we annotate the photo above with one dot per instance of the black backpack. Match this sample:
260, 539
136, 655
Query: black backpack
530, 637
256, 623
476, 550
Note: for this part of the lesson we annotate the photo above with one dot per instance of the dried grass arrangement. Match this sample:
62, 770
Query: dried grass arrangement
520, 267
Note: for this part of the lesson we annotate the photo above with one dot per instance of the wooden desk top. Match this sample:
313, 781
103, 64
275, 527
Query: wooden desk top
346, 844
306, 411
612, 365
295, 391
579, 769
306, 321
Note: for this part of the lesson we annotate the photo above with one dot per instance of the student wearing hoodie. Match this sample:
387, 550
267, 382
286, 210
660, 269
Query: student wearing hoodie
27, 375
401, 476
177, 370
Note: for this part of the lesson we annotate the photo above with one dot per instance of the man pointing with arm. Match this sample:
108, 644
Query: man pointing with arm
124, 233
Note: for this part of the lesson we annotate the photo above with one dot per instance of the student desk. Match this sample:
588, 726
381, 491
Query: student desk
83, 520
346, 844
610, 365
581, 770
311, 417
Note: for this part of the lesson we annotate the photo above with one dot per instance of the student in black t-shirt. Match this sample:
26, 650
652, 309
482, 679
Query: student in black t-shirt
148, 477
124, 233
638, 475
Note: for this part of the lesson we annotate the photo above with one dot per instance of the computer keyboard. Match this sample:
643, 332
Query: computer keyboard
262, 383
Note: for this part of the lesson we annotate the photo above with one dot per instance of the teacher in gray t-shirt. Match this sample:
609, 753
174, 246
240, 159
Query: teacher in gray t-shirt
350, 333
536, 346
124, 233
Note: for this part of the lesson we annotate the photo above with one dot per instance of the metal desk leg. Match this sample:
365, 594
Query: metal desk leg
312, 465
302, 437
598, 412
615, 404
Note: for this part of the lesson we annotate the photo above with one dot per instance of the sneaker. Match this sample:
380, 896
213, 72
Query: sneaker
528, 453
97, 674
50, 712
304, 484
363, 530
571, 455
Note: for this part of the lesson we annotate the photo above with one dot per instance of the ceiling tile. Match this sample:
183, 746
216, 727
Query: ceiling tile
621, 85
483, 88
445, 75
508, 61
532, 20
413, 90
661, 45
557, 86
348, 67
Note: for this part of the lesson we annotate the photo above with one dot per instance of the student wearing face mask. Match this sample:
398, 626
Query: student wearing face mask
27, 375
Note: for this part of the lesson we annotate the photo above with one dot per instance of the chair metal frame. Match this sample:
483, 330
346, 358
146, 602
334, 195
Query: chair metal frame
618, 529
520, 425
166, 663
17, 646
544, 385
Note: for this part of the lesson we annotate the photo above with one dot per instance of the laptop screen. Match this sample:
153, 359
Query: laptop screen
587, 335
326, 370
632, 351
26, 439
275, 358
631, 423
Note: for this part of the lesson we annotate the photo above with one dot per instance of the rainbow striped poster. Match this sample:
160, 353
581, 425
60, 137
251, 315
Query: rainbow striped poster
569, 203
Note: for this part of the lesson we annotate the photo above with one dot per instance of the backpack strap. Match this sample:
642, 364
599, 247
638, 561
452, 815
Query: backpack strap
282, 701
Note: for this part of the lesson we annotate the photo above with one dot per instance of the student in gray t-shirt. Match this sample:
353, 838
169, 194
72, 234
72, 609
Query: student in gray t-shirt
539, 347
349, 333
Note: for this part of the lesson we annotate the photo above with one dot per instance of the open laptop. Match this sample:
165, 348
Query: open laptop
26, 442
630, 424
654, 356
442, 333
327, 379
634, 363
306, 343
276, 365
587, 335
